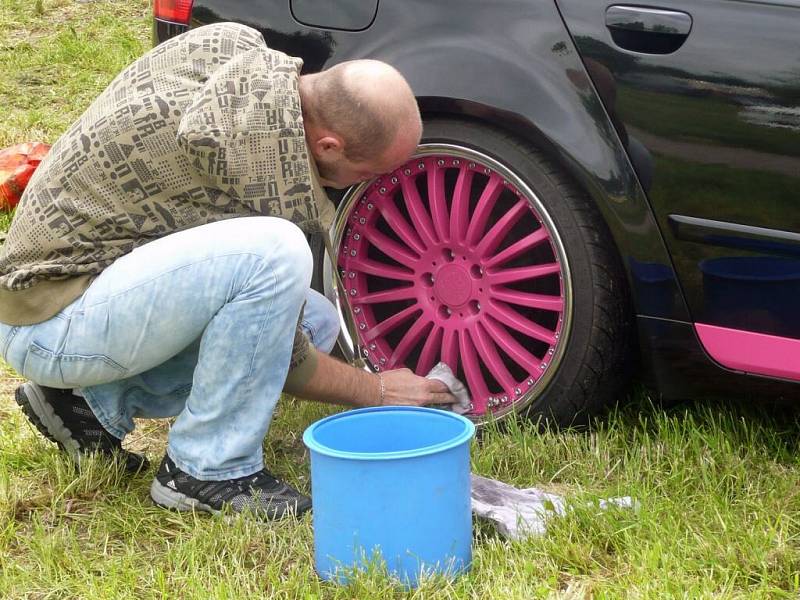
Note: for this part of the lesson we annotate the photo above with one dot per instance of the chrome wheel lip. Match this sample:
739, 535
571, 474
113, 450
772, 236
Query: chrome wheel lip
346, 338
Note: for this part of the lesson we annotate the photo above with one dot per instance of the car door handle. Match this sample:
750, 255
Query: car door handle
648, 20
648, 30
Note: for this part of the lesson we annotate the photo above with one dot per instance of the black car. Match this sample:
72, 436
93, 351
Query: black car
596, 182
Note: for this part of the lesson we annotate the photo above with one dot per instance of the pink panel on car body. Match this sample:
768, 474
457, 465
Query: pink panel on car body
751, 352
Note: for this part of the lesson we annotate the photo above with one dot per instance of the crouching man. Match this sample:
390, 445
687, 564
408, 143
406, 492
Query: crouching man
157, 264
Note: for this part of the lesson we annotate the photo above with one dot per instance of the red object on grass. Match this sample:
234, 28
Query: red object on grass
17, 165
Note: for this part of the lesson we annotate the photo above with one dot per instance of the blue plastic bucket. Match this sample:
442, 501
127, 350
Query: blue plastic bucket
391, 484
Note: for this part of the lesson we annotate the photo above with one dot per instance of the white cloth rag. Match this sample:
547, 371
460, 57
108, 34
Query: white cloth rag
444, 374
516, 513
520, 513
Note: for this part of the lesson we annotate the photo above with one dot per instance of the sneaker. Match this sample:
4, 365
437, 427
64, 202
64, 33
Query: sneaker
67, 420
266, 496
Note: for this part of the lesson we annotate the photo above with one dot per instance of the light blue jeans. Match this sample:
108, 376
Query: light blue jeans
198, 324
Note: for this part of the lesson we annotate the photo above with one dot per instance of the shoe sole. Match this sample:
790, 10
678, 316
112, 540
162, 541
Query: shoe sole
41, 413
166, 497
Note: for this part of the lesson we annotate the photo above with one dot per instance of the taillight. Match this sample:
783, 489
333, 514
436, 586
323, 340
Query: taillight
174, 11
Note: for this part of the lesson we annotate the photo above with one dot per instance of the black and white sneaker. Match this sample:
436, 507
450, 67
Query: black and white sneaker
67, 420
261, 493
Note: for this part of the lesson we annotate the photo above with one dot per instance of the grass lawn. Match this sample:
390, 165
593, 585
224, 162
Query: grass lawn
718, 483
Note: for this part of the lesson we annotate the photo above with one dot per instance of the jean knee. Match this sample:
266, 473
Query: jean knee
279, 243
291, 256
295, 251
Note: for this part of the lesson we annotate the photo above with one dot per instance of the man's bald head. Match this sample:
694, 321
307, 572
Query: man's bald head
367, 104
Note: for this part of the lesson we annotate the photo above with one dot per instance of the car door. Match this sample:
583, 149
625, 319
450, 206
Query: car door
705, 95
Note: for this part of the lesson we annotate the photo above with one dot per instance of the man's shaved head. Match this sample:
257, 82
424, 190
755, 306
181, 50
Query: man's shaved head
368, 105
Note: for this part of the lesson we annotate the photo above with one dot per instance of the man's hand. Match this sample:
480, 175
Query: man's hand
404, 388
339, 383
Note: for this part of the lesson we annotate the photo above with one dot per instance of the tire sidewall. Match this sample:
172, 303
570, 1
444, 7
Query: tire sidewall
555, 402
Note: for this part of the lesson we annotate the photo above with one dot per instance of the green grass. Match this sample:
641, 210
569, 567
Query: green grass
55, 60
718, 484
718, 487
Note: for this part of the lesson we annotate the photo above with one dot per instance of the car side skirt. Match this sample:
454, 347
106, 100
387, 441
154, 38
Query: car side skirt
751, 352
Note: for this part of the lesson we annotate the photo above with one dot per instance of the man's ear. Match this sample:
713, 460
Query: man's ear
329, 146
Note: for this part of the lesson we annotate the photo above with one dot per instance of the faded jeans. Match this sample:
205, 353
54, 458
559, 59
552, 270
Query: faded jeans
198, 324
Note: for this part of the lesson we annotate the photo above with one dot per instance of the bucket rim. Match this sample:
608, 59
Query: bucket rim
312, 444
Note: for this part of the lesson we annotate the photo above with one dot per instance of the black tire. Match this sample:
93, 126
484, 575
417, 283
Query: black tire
596, 364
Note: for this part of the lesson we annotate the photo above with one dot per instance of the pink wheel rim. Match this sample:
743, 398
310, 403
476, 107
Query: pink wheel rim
445, 259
